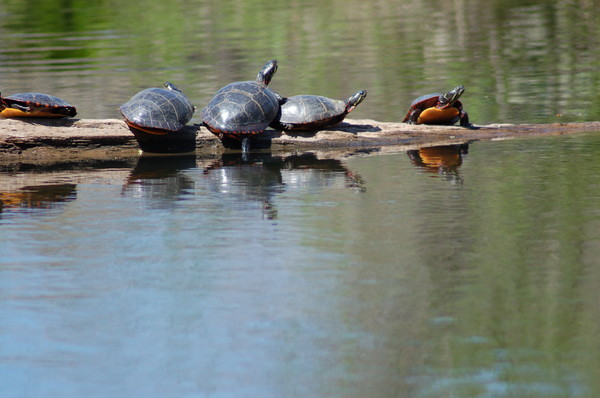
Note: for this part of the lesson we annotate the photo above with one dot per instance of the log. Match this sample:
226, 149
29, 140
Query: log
52, 137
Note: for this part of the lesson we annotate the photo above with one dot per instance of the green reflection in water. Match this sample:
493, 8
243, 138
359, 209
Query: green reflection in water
496, 280
282, 276
533, 61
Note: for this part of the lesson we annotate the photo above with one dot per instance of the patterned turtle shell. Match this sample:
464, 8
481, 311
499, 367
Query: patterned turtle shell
305, 112
158, 110
35, 105
243, 108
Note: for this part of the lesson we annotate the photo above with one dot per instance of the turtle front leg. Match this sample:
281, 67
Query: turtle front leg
464, 119
22, 108
414, 116
286, 126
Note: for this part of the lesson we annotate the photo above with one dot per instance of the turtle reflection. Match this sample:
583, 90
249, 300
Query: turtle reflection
260, 177
309, 171
442, 160
159, 179
37, 197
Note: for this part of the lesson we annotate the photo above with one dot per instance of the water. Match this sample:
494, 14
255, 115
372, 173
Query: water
533, 61
467, 271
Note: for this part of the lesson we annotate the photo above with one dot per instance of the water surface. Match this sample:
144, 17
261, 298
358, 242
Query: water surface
531, 61
466, 271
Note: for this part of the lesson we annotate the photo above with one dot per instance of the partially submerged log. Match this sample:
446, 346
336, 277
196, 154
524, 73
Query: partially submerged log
51, 137
46, 159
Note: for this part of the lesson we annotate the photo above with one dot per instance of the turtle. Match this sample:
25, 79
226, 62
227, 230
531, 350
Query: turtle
158, 111
242, 109
307, 112
438, 108
35, 105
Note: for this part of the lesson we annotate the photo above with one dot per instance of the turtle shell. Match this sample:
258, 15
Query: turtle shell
423, 102
158, 110
312, 110
35, 105
306, 112
426, 101
241, 108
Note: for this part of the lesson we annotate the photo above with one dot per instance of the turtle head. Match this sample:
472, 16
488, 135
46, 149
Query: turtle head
267, 72
451, 96
171, 86
355, 99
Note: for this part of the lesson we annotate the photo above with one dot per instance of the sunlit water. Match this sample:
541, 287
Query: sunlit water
531, 62
467, 271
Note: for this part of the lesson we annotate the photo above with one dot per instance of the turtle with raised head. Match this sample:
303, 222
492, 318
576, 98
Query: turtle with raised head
158, 111
309, 112
242, 109
35, 105
438, 108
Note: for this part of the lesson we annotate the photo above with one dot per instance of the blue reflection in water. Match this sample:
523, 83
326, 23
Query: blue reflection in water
301, 275
171, 277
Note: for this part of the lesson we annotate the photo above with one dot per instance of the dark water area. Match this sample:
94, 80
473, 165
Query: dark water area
455, 271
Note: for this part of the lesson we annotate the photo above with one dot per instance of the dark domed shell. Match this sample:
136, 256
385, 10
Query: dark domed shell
39, 98
303, 109
36, 104
159, 108
306, 112
242, 108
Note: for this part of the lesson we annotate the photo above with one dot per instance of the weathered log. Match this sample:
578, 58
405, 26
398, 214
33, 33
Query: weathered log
35, 136
47, 157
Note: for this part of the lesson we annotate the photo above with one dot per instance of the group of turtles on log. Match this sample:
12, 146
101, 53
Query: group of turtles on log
239, 109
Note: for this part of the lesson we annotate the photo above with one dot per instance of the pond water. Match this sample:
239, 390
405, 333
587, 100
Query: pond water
521, 61
459, 271
455, 271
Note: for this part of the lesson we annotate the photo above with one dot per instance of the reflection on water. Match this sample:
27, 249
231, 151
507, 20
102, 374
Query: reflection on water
163, 270
442, 160
37, 197
362, 278
532, 62
252, 178
159, 180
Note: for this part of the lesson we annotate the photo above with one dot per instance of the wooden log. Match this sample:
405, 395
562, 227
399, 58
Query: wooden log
19, 137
